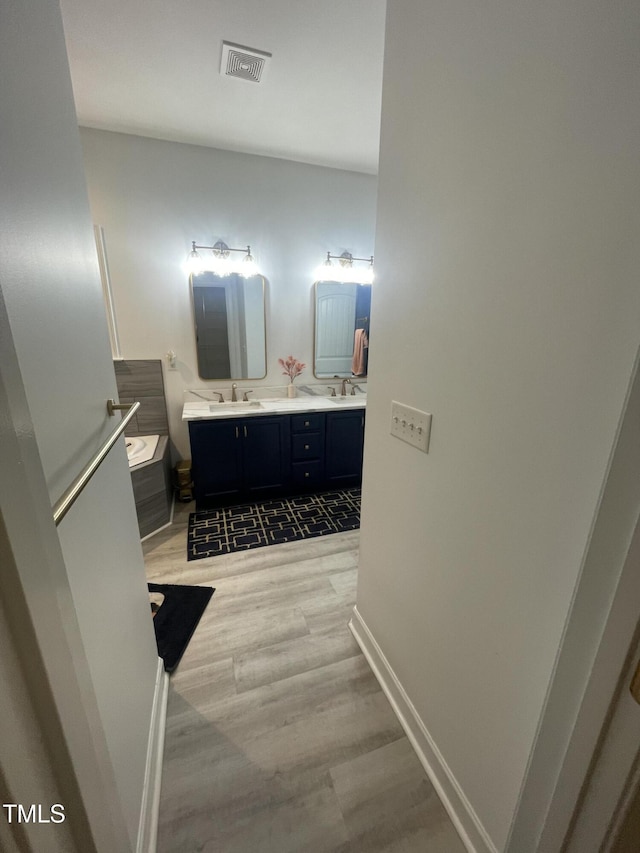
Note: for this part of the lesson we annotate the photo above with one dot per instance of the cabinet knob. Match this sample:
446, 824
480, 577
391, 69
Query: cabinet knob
306, 423
306, 447
306, 473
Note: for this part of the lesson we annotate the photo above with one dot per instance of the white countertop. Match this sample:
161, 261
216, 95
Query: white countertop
271, 406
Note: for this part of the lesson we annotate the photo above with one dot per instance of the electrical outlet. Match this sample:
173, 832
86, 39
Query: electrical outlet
411, 425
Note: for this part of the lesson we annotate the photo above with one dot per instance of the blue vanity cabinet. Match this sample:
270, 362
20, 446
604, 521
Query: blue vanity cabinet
265, 455
239, 458
344, 446
216, 459
307, 451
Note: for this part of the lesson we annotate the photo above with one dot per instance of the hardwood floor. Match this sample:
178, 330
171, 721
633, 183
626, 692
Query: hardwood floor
279, 738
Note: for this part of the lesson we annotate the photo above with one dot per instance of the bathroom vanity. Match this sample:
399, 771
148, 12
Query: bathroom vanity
274, 447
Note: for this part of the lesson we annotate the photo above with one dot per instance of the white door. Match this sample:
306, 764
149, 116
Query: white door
606, 820
335, 325
53, 327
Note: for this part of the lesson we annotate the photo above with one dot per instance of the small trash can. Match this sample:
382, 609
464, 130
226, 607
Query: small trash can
182, 481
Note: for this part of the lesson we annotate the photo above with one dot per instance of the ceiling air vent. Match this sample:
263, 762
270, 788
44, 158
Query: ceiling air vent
245, 63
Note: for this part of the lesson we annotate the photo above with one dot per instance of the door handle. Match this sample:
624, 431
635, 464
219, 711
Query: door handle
245, 431
634, 687
237, 434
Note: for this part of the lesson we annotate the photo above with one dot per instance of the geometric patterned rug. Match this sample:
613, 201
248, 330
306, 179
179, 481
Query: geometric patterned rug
271, 522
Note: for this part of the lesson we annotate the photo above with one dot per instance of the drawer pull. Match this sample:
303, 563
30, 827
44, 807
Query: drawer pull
307, 423
306, 473
306, 447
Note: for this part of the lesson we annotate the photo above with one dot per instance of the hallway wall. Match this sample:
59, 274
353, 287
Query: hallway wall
509, 176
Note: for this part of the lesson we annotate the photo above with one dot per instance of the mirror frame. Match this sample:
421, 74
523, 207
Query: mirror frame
195, 331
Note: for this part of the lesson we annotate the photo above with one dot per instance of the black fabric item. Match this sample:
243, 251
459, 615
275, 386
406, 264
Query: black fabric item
271, 522
177, 618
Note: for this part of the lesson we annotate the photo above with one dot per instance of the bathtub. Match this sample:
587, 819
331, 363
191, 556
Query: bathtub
140, 448
150, 471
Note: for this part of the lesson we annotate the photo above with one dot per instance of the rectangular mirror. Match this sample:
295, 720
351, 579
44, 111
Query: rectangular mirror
230, 326
341, 330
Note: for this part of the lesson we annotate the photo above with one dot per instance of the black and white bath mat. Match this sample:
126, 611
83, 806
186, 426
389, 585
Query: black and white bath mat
176, 612
271, 522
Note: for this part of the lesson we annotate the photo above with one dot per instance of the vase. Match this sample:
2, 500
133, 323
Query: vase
291, 390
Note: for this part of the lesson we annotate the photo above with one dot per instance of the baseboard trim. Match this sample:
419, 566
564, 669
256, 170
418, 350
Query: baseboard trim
154, 532
457, 805
150, 808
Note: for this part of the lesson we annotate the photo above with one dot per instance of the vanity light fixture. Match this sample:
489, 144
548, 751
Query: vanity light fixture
221, 263
345, 270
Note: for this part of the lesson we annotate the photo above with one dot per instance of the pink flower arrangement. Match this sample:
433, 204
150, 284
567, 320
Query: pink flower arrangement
292, 367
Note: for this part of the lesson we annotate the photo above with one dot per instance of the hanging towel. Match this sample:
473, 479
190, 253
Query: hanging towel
360, 343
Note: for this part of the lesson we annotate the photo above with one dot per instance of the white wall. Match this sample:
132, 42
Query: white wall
153, 198
509, 177
51, 286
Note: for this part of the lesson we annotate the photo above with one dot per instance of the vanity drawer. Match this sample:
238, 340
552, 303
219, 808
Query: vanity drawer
307, 473
307, 423
308, 446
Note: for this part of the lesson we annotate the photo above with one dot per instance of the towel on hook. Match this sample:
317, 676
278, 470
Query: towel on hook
360, 343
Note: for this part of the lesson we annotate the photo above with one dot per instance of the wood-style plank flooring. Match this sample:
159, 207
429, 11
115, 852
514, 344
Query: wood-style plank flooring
279, 738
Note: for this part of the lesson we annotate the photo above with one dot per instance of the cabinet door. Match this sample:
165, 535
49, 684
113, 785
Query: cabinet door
216, 462
344, 444
266, 454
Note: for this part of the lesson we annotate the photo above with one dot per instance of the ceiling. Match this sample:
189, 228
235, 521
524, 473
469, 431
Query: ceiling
152, 68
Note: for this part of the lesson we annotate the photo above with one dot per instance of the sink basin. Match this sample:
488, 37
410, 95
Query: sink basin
349, 400
235, 407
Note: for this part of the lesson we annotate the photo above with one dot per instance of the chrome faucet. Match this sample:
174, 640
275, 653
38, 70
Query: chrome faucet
245, 399
332, 389
220, 397
234, 396
343, 387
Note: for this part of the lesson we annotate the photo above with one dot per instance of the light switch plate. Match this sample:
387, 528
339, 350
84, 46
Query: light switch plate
411, 425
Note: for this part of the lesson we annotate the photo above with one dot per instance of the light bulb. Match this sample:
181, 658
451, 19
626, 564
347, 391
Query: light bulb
248, 267
194, 262
219, 265
326, 271
366, 277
